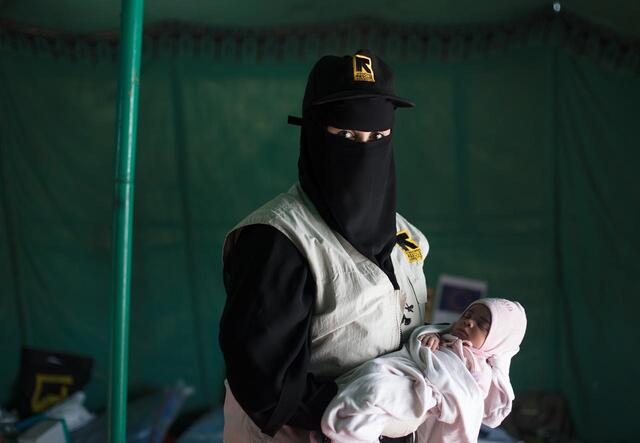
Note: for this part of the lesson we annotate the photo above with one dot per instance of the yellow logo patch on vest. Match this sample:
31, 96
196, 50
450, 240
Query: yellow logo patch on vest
362, 69
409, 246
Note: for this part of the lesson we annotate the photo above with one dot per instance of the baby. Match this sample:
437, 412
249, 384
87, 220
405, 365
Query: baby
444, 382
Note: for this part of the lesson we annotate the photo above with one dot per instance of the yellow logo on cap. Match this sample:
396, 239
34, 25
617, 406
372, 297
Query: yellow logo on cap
362, 69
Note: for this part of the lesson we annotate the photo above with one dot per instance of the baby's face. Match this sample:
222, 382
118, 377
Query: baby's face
473, 325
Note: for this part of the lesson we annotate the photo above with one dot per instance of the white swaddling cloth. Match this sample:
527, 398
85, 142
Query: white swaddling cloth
392, 395
434, 393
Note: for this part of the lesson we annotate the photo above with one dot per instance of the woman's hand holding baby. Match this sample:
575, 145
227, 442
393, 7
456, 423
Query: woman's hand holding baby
431, 341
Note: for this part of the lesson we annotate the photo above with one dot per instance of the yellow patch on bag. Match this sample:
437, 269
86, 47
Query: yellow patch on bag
49, 390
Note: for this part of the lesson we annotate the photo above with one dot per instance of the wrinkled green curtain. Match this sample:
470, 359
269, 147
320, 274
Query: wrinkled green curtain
518, 163
598, 245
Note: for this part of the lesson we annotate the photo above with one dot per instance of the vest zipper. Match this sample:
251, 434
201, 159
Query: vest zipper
399, 322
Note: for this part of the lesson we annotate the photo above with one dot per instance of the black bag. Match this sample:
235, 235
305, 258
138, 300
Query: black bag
48, 377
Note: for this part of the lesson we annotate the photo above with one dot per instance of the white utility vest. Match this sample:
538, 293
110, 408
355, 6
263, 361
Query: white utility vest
358, 315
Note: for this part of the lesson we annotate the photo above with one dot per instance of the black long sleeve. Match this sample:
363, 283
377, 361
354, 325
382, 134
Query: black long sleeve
264, 332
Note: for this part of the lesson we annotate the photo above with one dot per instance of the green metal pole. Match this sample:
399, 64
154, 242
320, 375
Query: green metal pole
127, 118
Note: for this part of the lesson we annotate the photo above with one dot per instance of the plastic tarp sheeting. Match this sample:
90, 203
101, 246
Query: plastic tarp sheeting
519, 165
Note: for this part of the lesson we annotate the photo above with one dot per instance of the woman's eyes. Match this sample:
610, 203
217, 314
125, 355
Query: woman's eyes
349, 135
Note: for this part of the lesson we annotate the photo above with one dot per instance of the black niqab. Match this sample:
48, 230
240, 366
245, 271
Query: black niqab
352, 184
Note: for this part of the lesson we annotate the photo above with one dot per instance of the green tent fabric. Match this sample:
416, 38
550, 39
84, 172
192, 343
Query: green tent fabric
518, 163
598, 214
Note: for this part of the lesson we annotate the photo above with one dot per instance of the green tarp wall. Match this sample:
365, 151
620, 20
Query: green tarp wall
519, 163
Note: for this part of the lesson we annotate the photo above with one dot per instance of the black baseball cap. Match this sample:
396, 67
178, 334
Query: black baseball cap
361, 75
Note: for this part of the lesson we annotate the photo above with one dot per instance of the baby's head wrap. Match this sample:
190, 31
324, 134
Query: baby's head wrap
508, 324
